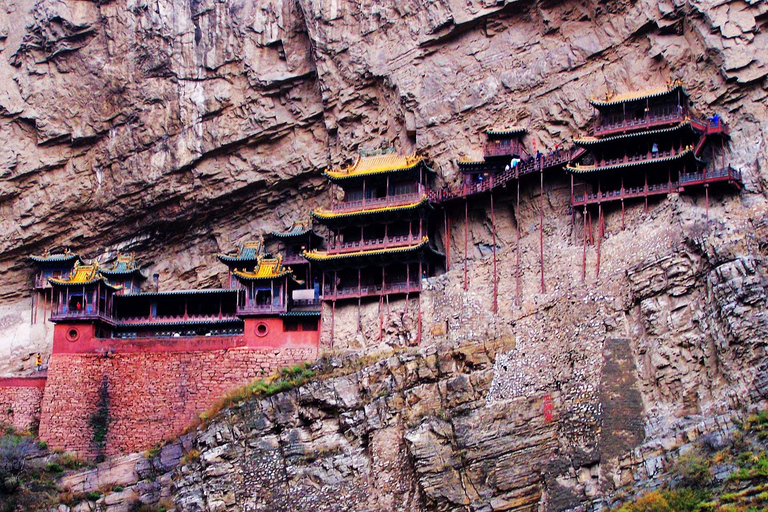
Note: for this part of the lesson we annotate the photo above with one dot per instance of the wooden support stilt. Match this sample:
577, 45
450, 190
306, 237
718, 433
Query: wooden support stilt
517, 228
584, 257
591, 238
447, 241
645, 190
541, 229
493, 235
599, 238
359, 298
333, 320
466, 231
706, 197
418, 306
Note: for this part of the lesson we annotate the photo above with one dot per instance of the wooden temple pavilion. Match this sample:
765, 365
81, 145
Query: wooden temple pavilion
646, 144
379, 242
247, 256
265, 288
85, 295
49, 264
125, 274
291, 244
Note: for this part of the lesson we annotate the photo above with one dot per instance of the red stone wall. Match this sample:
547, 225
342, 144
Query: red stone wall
152, 395
20, 401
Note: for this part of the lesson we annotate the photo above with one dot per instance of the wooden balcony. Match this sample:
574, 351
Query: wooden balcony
353, 292
261, 309
85, 314
493, 149
727, 175
551, 160
378, 202
174, 319
613, 125
374, 244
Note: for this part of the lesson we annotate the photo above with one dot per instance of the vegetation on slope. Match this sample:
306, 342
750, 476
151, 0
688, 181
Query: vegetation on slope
730, 478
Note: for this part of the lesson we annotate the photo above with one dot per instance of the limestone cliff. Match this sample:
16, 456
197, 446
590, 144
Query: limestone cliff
177, 129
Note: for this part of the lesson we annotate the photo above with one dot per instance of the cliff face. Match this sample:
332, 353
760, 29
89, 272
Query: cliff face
177, 129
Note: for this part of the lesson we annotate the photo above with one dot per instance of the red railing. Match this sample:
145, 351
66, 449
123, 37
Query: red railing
501, 149
656, 117
379, 202
524, 167
349, 292
686, 179
643, 157
261, 308
174, 318
373, 244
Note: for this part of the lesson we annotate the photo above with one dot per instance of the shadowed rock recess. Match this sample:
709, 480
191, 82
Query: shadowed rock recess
176, 130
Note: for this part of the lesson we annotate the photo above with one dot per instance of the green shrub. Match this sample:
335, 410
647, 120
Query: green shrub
685, 499
693, 471
651, 502
93, 496
53, 467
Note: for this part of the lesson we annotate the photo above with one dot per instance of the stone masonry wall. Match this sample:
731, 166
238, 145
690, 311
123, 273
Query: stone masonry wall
149, 396
20, 405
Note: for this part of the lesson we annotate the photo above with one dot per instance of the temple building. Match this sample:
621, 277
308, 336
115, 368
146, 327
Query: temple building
379, 233
291, 244
125, 274
56, 265
502, 146
247, 256
646, 144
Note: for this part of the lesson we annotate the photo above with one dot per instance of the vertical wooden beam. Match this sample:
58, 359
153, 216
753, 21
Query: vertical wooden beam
493, 234
599, 238
447, 231
584, 233
645, 190
466, 230
418, 305
517, 229
541, 230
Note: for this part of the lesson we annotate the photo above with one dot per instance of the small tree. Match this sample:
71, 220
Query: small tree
14, 453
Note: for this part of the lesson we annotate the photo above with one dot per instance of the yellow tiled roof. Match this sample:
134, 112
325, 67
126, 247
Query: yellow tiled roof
323, 255
266, 268
325, 213
81, 274
375, 164
635, 95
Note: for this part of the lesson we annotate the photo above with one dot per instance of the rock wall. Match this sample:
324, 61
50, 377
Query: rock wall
20, 400
178, 130
116, 403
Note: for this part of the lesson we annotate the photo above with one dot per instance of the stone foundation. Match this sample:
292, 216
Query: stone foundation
20, 399
147, 396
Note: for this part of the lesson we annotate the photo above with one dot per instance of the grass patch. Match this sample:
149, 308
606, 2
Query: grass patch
286, 379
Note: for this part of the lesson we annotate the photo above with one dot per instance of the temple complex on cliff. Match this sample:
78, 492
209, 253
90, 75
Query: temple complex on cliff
380, 245
646, 144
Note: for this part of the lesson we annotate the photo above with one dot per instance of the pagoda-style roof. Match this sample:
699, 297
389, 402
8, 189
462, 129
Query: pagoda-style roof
173, 293
326, 213
248, 252
377, 164
502, 132
594, 141
582, 169
618, 99
265, 269
124, 265
321, 256
82, 275
58, 257
297, 229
